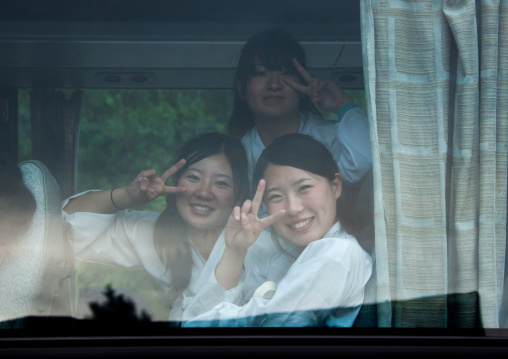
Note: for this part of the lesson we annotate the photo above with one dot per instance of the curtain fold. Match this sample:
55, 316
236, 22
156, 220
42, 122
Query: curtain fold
436, 88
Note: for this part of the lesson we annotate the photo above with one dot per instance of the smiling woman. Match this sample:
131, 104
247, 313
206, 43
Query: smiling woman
276, 95
310, 202
208, 199
183, 242
324, 287
130, 81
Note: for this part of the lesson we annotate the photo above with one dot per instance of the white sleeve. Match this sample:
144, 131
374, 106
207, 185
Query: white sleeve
117, 239
255, 272
354, 144
326, 279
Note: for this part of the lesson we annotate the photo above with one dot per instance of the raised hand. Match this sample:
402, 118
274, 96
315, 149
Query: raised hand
148, 185
244, 226
242, 230
325, 93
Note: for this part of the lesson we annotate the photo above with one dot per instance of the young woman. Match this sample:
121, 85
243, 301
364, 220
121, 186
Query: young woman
187, 238
275, 95
300, 184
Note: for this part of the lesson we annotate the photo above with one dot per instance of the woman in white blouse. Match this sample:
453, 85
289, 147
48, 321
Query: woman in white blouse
323, 285
184, 241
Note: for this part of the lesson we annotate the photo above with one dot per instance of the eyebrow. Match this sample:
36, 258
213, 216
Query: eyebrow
296, 183
214, 175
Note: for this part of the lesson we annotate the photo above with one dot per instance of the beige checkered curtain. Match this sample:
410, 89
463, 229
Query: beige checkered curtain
437, 93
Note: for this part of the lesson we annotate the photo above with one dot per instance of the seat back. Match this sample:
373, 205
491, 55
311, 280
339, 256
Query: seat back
37, 271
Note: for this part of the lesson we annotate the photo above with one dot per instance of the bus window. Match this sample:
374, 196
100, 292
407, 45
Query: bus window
135, 80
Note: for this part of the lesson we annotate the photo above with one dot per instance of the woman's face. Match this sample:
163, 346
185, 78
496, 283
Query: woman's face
210, 194
310, 202
268, 96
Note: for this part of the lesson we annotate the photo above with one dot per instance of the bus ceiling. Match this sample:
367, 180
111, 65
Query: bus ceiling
166, 43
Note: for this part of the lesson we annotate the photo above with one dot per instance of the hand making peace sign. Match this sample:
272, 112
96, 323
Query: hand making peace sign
325, 93
244, 226
148, 185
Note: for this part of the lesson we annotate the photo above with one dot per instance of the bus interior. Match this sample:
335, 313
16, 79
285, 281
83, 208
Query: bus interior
57, 57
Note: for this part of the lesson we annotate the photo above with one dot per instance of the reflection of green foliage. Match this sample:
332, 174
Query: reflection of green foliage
24, 133
123, 132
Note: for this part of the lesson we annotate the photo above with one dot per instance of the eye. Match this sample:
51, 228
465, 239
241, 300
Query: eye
274, 197
260, 73
192, 178
289, 73
304, 188
222, 184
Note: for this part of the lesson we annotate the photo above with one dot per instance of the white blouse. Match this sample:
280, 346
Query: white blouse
127, 239
323, 287
348, 140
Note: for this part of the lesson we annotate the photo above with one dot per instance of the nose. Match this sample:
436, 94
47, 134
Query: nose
204, 190
293, 206
274, 80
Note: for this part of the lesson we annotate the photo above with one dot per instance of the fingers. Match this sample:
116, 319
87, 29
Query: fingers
305, 74
145, 174
171, 189
173, 169
258, 197
236, 213
271, 219
246, 208
143, 178
306, 89
298, 87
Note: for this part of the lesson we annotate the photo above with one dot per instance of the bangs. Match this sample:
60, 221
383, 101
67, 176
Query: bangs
274, 59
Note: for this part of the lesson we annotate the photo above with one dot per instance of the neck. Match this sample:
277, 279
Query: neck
203, 239
269, 128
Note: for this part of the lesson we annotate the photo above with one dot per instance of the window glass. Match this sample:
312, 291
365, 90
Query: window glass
121, 133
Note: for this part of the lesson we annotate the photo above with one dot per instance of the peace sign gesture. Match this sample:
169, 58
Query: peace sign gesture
148, 185
325, 93
244, 226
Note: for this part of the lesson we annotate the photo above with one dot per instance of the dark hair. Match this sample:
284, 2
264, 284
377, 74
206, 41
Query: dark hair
355, 206
170, 229
299, 151
17, 203
275, 48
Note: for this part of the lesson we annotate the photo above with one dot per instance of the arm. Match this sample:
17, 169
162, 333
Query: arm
354, 151
100, 234
242, 230
328, 278
121, 239
355, 158
144, 188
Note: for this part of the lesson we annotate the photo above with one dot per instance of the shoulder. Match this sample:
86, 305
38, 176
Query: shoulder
312, 120
139, 224
250, 137
320, 128
342, 248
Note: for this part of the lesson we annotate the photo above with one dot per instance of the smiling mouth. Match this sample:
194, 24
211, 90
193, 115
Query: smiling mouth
301, 224
201, 208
